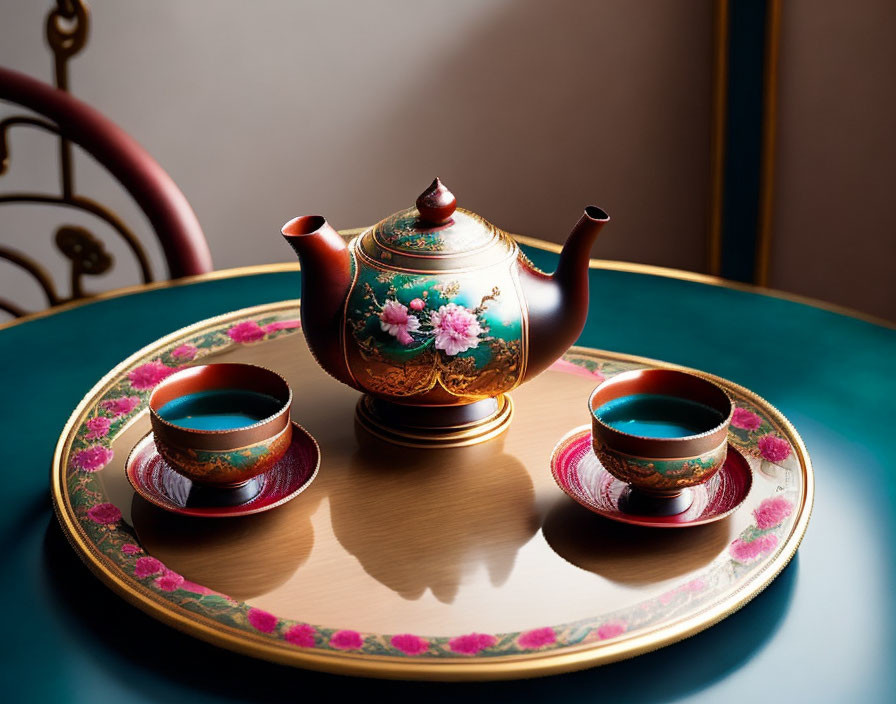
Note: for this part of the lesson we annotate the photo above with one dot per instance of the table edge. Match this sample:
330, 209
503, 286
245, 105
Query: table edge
603, 264
506, 667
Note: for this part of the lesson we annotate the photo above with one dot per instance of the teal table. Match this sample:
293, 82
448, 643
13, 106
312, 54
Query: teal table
823, 631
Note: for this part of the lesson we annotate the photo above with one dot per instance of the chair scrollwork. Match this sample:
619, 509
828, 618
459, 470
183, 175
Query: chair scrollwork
66, 31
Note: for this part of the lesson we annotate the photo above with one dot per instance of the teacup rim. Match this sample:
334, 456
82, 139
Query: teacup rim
633, 374
197, 433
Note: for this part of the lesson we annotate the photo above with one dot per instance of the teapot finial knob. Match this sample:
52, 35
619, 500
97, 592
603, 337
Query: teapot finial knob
436, 204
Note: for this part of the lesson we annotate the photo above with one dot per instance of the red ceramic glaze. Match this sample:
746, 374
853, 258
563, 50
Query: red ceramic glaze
401, 311
436, 204
155, 480
206, 377
326, 278
669, 382
578, 472
558, 303
221, 457
661, 466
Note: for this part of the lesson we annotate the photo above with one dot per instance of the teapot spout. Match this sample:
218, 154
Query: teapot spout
558, 304
326, 280
572, 269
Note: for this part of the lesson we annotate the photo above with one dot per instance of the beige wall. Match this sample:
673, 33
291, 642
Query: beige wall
528, 110
834, 232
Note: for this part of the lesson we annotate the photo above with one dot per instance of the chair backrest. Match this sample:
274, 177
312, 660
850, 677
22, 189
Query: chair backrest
170, 215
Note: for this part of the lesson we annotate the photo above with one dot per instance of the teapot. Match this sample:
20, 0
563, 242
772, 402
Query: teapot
435, 314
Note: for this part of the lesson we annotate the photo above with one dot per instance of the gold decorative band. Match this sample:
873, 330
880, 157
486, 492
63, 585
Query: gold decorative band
458, 436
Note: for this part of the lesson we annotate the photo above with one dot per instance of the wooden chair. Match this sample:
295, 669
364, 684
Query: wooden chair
55, 110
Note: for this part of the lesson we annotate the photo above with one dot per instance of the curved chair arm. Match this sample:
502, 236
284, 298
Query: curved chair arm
169, 213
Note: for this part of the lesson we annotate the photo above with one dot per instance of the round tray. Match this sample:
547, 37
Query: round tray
462, 563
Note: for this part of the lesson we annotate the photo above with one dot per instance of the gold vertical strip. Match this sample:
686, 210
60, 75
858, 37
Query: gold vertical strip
769, 132
717, 144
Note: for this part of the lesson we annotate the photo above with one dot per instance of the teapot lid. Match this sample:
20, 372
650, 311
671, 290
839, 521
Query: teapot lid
435, 235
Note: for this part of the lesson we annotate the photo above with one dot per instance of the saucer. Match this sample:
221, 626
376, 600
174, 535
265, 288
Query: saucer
155, 480
580, 474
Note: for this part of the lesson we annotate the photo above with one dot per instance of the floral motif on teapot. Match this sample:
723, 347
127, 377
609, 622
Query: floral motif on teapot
438, 338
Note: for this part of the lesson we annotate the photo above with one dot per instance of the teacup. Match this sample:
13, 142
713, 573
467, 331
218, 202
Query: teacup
660, 431
221, 425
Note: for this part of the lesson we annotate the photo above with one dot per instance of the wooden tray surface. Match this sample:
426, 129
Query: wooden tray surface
466, 563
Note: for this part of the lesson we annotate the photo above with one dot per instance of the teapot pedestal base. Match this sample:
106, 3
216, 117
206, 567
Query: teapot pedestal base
434, 426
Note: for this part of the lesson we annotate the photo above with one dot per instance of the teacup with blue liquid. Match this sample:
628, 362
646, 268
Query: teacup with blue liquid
661, 431
222, 426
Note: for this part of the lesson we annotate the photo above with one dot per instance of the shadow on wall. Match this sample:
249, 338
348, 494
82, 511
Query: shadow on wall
541, 110
528, 110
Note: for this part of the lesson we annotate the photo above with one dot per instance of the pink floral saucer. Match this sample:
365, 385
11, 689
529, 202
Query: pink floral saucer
580, 474
154, 480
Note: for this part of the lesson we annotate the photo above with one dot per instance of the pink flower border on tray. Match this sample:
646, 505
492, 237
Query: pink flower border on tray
102, 522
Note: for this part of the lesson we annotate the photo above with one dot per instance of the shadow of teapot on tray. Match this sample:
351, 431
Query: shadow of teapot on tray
420, 519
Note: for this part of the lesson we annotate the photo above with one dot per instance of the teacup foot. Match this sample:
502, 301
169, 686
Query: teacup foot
210, 496
642, 503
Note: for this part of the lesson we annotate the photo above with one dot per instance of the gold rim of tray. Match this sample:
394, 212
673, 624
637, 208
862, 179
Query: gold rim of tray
482, 668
